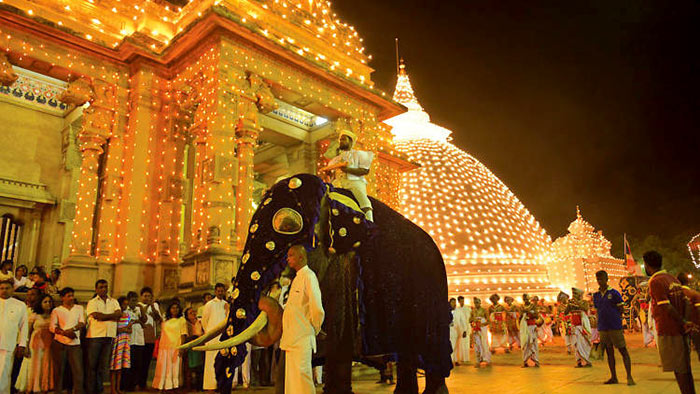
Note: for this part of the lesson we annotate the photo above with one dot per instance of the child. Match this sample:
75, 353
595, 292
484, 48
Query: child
194, 365
6, 270
173, 334
37, 367
21, 280
121, 352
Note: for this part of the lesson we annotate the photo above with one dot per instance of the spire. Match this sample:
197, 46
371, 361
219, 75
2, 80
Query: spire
578, 213
403, 94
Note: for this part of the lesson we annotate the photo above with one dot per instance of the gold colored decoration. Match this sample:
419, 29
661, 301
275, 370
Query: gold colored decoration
267, 201
235, 293
357, 220
255, 275
240, 313
234, 351
335, 212
229, 330
253, 228
343, 231
356, 244
245, 258
8, 76
287, 221
228, 371
294, 183
78, 92
224, 352
270, 245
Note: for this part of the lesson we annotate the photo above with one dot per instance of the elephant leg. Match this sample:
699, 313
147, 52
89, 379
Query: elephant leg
406, 379
434, 384
337, 376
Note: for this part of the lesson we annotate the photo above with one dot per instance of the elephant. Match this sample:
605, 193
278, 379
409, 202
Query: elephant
383, 284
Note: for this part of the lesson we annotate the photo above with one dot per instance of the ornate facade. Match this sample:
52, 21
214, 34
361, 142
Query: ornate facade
578, 255
140, 133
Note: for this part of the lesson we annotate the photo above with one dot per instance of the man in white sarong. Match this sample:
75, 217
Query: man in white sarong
463, 340
497, 324
565, 320
512, 324
350, 167
458, 329
528, 332
14, 329
480, 329
215, 311
301, 322
581, 328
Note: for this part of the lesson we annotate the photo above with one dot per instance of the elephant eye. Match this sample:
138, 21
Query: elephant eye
287, 221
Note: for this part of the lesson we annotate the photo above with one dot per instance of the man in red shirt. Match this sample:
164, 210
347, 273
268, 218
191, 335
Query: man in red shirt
694, 300
670, 310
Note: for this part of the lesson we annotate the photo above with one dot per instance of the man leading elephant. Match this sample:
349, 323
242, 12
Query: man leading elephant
301, 322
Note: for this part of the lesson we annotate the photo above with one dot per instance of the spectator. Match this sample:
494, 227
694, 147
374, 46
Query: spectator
130, 380
194, 366
206, 297
154, 318
30, 300
52, 283
21, 280
66, 322
6, 270
671, 314
121, 355
36, 374
215, 312
39, 279
13, 332
103, 313
173, 334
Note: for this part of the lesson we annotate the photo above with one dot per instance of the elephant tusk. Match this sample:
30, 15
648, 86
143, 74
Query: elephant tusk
243, 337
206, 337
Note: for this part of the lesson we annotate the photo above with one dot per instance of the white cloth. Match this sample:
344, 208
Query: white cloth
453, 337
303, 314
528, 341
149, 328
355, 159
298, 375
460, 326
101, 329
14, 324
167, 373
463, 343
245, 368
136, 337
66, 319
582, 344
23, 281
6, 360
213, 314
481, 343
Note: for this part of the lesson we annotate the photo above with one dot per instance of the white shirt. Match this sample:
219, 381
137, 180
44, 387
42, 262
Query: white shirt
355, 159
214, 313
24, 281
14, 324
460, 325
65, 319
149, 328
466, 312
303, 314
101, 329
136, 337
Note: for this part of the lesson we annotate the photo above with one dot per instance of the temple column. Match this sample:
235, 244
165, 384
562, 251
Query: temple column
81, 269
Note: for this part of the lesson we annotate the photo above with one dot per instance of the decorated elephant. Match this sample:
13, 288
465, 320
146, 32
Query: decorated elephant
383, 284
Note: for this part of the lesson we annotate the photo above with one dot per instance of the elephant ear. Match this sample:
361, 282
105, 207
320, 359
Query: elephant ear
349, 230
286, 216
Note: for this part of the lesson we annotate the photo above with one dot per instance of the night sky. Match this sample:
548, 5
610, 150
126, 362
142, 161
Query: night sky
590, 103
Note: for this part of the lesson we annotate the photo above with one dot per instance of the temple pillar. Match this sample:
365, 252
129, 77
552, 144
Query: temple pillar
81, 268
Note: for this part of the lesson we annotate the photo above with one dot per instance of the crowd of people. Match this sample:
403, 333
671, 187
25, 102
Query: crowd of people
51, 345
666, 310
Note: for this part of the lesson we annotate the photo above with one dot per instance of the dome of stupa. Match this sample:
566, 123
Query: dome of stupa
489, 240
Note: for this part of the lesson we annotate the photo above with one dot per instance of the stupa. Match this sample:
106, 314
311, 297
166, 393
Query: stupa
490, 241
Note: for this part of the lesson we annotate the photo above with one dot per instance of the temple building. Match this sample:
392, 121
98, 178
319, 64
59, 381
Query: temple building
137, 134
489, 240
578, 255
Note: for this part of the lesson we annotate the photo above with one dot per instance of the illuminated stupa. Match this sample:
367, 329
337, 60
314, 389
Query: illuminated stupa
489, 240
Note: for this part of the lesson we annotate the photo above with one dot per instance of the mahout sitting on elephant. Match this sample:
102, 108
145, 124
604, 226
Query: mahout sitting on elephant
383, 284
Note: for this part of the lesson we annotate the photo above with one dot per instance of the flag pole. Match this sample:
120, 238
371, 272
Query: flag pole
396, 45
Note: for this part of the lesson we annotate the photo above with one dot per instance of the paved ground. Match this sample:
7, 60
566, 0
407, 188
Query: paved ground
556, 375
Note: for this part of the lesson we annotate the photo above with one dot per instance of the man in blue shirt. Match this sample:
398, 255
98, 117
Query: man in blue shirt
609, 304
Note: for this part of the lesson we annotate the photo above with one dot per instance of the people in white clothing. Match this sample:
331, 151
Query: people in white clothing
103, 313
350, 167
463, 341
14, 330
215, 311
458, 329
66, 322
301, 322
154, 318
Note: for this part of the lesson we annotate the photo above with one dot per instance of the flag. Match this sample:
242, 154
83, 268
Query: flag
632, 266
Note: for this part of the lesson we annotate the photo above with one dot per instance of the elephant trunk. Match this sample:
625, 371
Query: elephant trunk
264, 331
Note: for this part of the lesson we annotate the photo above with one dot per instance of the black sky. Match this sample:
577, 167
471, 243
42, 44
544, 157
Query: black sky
590, 103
